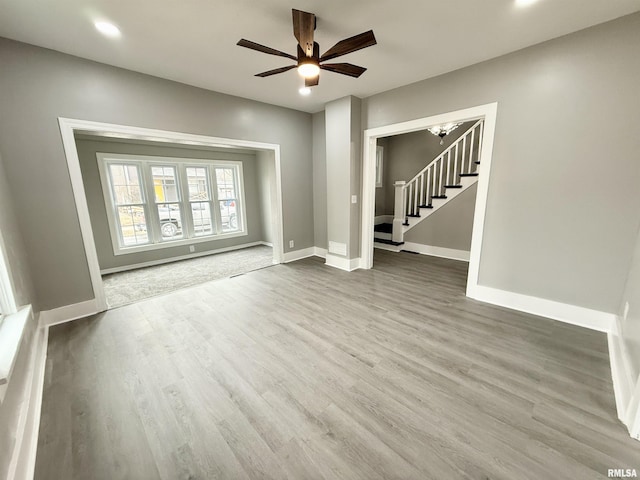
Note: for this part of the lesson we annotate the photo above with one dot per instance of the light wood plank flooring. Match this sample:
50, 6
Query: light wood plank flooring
302, 371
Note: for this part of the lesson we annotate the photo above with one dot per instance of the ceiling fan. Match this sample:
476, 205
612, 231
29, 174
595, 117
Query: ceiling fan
309, 61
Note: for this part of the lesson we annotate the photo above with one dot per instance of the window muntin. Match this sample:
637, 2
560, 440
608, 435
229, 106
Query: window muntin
128, 199
167, 199
177, 199
200, 200
226, 182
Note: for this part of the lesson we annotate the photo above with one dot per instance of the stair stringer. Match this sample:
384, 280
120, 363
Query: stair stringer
438, 203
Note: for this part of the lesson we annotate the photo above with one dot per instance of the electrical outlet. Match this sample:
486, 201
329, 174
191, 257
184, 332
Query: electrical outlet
291, 244
192, 248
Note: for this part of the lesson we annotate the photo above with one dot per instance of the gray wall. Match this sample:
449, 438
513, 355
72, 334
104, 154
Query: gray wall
631, 325
87, 149
343, 134
266, 180
319, 181
562, 209
17, 388
449, 226
37, 86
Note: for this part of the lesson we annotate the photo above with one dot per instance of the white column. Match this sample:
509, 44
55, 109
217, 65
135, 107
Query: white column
398, 211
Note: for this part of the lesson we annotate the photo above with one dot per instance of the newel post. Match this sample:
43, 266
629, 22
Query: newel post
398, 211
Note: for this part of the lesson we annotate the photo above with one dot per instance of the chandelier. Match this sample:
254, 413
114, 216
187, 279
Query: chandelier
443, 130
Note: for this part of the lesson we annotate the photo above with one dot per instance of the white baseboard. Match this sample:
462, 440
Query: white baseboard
299, 254
626, 389
69, 312
23, 461
437, 251
342, 263
382, 219
386, 246
623, 384
583, 317
305, 253
320, 252
188, 256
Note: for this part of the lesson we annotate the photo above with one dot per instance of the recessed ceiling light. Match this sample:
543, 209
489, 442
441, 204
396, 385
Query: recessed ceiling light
305, 91
525, 3
108, 29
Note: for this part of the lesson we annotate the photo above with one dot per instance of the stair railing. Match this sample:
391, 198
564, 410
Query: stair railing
461, 157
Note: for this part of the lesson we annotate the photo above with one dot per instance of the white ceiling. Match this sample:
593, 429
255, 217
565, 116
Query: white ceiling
194, 41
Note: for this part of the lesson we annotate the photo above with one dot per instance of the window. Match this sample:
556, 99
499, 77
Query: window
154, 202
129, 204
379, 170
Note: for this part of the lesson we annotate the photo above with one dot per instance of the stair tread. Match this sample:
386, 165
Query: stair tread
475, 174
425, 206
439, 196
414, 215
388, 242
453, 186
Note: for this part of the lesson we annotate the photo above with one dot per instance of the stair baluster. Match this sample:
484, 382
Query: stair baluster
432, 181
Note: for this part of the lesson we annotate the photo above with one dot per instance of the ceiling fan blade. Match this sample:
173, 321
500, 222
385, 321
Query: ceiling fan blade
275, 71
344, 68
312, 82
351, 44
304, 24
261, 48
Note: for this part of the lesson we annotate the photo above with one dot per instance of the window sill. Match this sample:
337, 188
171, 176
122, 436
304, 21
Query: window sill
11, 333
178, 243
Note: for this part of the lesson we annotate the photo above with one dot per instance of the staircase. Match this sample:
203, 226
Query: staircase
443, 179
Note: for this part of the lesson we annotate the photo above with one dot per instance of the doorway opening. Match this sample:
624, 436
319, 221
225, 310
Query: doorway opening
411, 197
131, 184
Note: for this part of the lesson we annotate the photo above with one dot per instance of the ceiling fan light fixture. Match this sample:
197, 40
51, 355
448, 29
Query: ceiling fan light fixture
304, 91
308, 69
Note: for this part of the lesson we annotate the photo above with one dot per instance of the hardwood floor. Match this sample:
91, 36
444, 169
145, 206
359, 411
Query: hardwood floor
302, 371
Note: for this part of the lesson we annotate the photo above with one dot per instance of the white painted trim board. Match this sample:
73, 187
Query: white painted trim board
626, 388
320, 252
387, 247
346, 264
489, 113
572, 314
68, 313
299, 254
23, 460
12, 331
188, 256
434, 251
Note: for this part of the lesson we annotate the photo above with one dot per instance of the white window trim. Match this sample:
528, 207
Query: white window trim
8, 304
104, 158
